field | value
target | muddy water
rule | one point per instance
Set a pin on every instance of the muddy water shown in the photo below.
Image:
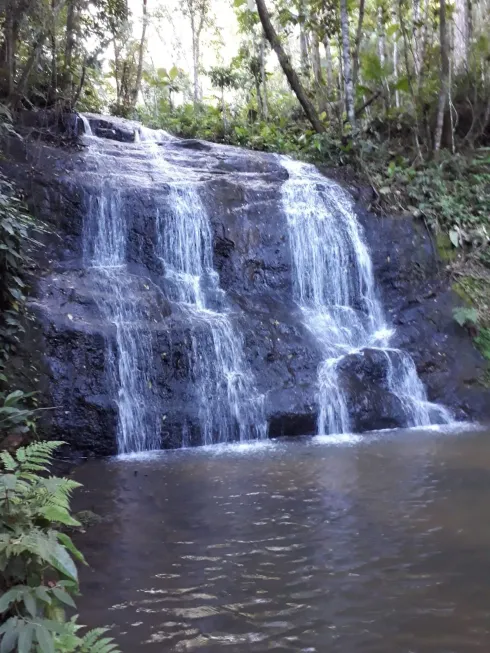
(376, 544)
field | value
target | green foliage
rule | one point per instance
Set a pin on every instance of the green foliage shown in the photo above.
(14, 415)
(16, 226)
(465, 316)
(482, 341)
(224, 77)
(37, 558)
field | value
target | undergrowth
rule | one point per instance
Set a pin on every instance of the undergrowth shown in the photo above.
(38, 574)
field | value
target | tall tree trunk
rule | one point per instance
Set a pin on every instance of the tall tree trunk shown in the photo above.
(348, 85)
(14, 11)
(117, 70)
(263, 77)
(21, 87)
(223, 105)
(357, 45)
(340, 85)
(316, 61)
(460, 36)
(141, 54)
(382, 55)
(416, 36)
(53, 87)
(303, 41)
(421, 43)
(329, 65)
(195, 63)
(287, 68)
(260, 104)
(395, 58)
(9, 49)
(444, 89)
(69, 47)
(318, 75)
(469, 22)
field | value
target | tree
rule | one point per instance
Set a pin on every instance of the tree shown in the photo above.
(288, 69)
(348, 82)
(444, 87)
(141, 52)
(197, 12)
(224, 78)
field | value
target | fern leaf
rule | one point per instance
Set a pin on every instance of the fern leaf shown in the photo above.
(8, 461)
(93, 642)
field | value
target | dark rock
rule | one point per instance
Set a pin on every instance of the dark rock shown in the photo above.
(192, 144)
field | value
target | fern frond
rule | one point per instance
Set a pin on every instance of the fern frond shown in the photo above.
(8, 461)
(37, 453)
(93, 642)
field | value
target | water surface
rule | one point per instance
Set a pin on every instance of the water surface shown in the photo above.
(367, 544)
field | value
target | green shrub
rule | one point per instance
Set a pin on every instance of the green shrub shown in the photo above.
(38, 574)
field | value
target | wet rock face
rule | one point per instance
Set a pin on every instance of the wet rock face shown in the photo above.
(242, 194)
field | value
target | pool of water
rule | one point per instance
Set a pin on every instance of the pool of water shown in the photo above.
(368, 544)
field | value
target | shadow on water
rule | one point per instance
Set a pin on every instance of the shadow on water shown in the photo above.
(355, 544)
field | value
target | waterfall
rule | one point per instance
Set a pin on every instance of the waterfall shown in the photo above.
(87, 129)
(334, 286)
(118, 296)
(230, 408)
(229, 405)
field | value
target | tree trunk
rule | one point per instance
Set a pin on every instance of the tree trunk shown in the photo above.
(117, 70)
(9, 45)
(382, 56)
(416, 36)
(195, 59)
(69, 47)
(421, 44)
(303, 41)
(469, 22)
(14, 11)
(21, 86)
(395, 59)
(318, 75)
(53, 87)
(328, 57)
(29, 65)
(263, 76)
(223, 105)
(287, 68)
(444, 89)
(348, 85)
(141, 54)
(316, 62)
(357, 47)
(460, 36)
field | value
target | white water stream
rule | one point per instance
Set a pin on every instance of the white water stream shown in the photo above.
(229, 406)
(334, 286)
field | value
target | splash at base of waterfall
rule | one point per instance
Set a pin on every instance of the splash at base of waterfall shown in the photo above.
(334, 286)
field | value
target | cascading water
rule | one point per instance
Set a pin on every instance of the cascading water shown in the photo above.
(230, 408)
(334, 286)
(87, 129)
(129, 351)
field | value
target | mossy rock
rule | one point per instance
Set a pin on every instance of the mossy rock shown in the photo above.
(446, 249)
(88, 518)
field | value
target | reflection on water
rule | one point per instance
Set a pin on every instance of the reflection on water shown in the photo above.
(377, 544)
